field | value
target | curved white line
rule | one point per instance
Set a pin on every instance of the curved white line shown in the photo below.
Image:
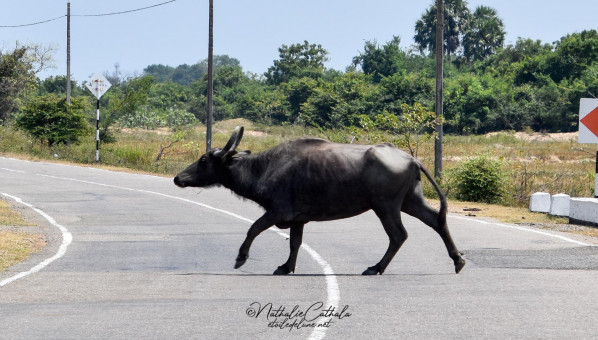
(524, 229)
(333, 291)
(67, 238)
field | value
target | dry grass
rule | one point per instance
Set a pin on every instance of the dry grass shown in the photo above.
(9, 217)
(533, 162)
(503, 213)
(16, 246)
(554, 163)
(591, 232)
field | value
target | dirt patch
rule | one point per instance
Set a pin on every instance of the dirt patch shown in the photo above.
(541, 137)
(163, 131)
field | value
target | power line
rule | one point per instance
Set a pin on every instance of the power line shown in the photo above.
(33, 23)
(87, 15)
(122, 12)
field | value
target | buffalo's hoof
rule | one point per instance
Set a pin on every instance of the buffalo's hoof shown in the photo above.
(372, 271)
(459, 265)
(282, 270)
(240, 261)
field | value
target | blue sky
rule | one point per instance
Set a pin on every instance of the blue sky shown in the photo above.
(251, 31)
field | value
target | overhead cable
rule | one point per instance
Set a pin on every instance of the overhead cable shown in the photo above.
(87, 15)
(123, 12)
(33, 23)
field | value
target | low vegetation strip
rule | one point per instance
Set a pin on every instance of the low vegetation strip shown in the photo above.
(10, 217)
(529, 162)
(16, 245)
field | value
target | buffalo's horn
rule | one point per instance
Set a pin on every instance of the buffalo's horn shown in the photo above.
(232, 143)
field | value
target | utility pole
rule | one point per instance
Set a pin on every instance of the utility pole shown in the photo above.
(68, 52)
(210, 108)
(439, 88)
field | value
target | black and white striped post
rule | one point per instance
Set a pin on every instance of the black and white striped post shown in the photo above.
(98, 130)
(98, 85)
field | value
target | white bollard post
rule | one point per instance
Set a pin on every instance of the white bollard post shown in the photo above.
(540, 202)
(559, 205)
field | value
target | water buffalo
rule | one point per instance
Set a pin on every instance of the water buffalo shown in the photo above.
(311, 179)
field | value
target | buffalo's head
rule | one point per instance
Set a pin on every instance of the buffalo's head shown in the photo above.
(209, 168)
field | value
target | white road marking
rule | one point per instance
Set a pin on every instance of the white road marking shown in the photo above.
(67, 238)
(12, 170)
(333, 291)
(523, 229)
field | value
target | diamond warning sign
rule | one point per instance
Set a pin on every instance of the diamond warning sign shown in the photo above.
(588, 121)
(98, 85)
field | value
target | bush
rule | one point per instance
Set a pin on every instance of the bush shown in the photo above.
(479, 179)
(151, 119)
(49, 118)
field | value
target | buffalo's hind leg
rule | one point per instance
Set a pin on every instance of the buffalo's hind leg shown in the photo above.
(416, 206)
(397, 234)
(294, 242)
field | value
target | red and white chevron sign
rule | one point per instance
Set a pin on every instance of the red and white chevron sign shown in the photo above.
(588, 121)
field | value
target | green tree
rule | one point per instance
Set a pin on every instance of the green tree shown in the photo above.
(57, 85)
(16, 78)
(297, 91)
(339, 103)
(469, 101)
(185, 74)
(230, 83)
(573, 54)
(297, 61)
(411, 129)
(484, 34)
(49, 118)
(406, 88)
(121, 100)
(267, 105)
(18, 70)
(456, 16)
(380, 61)
(506, 62)
(161, 73)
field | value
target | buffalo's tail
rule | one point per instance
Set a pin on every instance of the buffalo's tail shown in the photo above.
(443, 204)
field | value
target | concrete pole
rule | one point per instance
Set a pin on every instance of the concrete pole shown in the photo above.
(439, 88)
(68, 52)
(210, 108)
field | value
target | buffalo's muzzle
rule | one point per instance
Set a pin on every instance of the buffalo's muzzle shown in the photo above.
(178, 182)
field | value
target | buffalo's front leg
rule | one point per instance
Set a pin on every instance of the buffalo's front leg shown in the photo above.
(263, 223)
(295, 243)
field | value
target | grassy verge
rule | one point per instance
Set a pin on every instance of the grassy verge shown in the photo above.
(533, 162)
(15, 246)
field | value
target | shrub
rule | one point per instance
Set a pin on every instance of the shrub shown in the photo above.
(177, 118)
(49, 118)
(479, 179)
(151, 119)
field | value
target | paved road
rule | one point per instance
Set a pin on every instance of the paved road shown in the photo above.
(149, 260)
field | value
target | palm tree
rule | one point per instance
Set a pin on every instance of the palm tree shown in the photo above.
(456, 16)
(484, 35)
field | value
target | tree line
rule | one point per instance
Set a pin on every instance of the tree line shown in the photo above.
(488, 86)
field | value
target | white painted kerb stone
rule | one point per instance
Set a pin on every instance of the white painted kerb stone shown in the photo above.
(584, 211)
(540, 202)
(559, 205)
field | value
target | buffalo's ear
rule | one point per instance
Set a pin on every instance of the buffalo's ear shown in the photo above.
(228, 158)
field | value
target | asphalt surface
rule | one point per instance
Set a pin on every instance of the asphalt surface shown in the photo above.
(150, 260)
